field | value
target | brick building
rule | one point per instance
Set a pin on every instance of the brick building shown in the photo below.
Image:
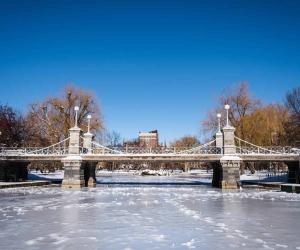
(148, 139)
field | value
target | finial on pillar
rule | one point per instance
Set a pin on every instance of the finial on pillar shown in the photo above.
(89, 117)
(219, 135)
(87, 137)
(227, 107)
(76, 108)
(219, 122)
(228, 136)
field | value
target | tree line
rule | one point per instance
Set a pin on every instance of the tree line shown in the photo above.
(47, 122)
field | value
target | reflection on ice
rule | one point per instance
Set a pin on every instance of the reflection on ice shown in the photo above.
(146, 217)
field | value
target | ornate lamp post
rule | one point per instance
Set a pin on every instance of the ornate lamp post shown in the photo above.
(89, 117)
(76, 108)
(227, 107)
(219, 122)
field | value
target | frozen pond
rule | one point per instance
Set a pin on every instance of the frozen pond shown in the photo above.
(148, 217)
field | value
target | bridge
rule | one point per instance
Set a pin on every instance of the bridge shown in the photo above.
(80, 154)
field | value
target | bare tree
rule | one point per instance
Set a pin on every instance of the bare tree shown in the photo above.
(292, 102)
(262, 125)
(242, 104)
(51, 119)
(12, 127)
(113, 138)
(292, 126)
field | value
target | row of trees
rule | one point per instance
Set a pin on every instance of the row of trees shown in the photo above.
(48, 122)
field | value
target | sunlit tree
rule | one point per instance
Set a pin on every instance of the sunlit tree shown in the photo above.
(52, 118)
(185, 142)
(254, 122)
(242, 104)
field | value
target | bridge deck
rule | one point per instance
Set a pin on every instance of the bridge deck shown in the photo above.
(155, 157)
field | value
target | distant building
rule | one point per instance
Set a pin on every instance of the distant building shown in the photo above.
(148, 139)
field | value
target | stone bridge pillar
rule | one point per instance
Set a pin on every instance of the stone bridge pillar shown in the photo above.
(73, 170)
(186, 167)
(229, 147)
(230, 171)
(87, 142)
(89, 167)
(74, 144)
(219, 140)
(230, 162)
(227, 172)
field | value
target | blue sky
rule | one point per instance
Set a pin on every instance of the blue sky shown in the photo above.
(152, 64)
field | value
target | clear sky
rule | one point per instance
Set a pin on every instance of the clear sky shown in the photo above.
(152, 64)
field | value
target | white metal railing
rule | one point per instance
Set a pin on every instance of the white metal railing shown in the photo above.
(206, 148)
(245, 147)
(100, 149)
(60, 148)
(202, 149)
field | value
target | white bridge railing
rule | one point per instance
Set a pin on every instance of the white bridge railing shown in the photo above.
(245, 147)
(60, 148)
(207, 148)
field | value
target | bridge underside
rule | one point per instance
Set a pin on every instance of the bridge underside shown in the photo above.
(80, 171)
(13, 171)
(226, 171)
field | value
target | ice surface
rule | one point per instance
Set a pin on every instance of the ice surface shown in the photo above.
(148, 217)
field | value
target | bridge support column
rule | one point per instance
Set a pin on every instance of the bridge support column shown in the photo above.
(90, 174)
(87, 142)
(230, 172)
(74, 173)
(226, 173)
(219, 140)
(229, 147)
(294, 172)
(74, 148)
(186, 167)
